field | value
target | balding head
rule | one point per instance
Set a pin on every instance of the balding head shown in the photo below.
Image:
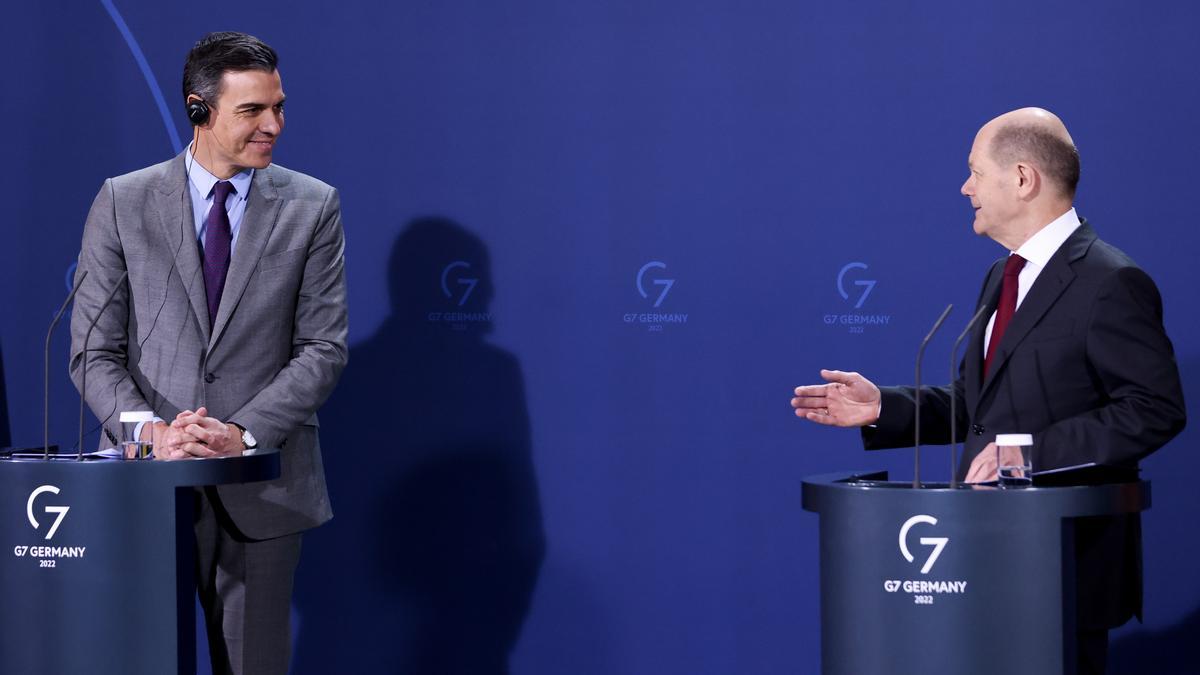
(1024, 169)
(1036, 137)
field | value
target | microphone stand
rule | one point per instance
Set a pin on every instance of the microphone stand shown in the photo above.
(46, 363)
(83, 378)
(917, 407)
(953, 397)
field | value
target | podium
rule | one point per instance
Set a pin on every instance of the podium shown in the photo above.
(940, 581)
(97, 564)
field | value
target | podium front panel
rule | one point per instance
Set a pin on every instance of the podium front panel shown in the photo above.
(97, 564)
(936, 581)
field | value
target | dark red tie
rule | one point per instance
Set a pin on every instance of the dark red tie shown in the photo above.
(1006, 308)
(217, 240)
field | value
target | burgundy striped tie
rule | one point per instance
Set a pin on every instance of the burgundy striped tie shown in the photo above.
(1006, 308)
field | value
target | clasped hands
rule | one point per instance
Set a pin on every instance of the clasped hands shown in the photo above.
(851, 400)
(195, 434)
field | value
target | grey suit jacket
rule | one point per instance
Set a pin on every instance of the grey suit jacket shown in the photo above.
(276, 347)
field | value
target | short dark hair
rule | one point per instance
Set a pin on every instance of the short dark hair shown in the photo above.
(1057, 158)
(217, 53)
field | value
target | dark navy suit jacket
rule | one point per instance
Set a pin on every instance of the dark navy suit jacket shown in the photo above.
(1087, 368)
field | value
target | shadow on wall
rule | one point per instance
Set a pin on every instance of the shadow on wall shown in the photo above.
(431, 560)
(5, 435)
(1168, 650)
(1171, 649)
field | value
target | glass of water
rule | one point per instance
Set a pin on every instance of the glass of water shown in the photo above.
(1014, 460)
(133, 447)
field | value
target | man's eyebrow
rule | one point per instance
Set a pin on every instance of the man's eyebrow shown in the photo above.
(257, 106)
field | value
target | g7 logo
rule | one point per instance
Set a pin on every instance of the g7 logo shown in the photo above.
(469, 283)
(938, 543)
(867, 284)
(665, 283)
(60, 510)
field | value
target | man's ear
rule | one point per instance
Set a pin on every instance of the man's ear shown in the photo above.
(198, 111)
(1028, 179)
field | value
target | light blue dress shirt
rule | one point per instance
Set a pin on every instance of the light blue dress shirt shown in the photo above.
(201, 183)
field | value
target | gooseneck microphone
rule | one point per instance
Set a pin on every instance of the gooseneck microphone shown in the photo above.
(46, 364)
(917, 399)
(87, 337)
(953, 397)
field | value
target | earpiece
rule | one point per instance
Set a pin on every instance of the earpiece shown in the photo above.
(197, 110)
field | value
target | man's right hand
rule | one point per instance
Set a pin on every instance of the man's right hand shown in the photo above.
(849, 400)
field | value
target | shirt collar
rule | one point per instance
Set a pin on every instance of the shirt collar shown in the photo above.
(1039, 248)
(204, 181)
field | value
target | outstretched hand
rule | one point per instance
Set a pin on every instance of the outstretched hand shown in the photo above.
(849, 400)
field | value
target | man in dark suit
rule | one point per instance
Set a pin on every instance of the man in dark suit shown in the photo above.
(1073, 352)
(231, 329)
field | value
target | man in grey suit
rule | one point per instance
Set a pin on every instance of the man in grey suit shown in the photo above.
(231, 328)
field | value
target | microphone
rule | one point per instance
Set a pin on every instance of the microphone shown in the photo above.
(917, 408)
(953, 418)
(46, 363)
(88, 336)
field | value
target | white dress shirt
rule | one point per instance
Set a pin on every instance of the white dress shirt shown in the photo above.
(1037, 251)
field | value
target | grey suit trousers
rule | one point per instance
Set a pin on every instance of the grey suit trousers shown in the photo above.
(245, 587)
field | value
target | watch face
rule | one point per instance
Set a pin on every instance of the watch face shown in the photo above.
(248, 440)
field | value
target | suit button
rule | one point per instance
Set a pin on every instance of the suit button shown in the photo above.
(210, 378)
(977, 429)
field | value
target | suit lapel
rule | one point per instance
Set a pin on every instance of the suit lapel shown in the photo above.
(174, 205)
(262, 210)
(1050, 284)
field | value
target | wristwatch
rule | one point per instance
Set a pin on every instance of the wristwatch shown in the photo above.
(248, 439)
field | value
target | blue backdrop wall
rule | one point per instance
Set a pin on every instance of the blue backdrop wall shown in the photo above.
(591, 247)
